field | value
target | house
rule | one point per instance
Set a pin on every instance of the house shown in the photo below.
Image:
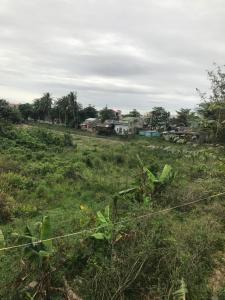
(89, 124)
(128, 126)
(118, 114)
(106, 128)
(122, 128)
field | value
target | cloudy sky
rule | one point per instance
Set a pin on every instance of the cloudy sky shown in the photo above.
(123, 53)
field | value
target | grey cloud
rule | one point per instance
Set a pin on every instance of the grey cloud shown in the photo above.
(122, 53)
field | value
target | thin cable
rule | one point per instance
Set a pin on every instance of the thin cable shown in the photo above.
(117, 223)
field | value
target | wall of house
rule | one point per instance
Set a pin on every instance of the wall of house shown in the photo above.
(122, 129)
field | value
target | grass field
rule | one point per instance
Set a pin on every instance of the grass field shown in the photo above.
(72, 177)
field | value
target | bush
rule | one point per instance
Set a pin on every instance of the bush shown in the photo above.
(6, 207)
(12, 180)
(119, 159)
(68, 141)
(73, 171)
(49, 137)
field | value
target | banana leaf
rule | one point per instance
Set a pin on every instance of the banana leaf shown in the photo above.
(98, 236)
(2, 239)
(124, 192)
(101, 218)
(166, 174)
(46, 232)
(150, 175)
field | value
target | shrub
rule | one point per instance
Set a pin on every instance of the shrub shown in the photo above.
(119, 159)
(12, 180)
(6, 207)
(8, 165)
(68, 141)
(73, 171)
(88, 161)
(41, 169)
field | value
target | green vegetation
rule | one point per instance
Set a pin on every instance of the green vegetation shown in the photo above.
(54, 183)
(83, 217)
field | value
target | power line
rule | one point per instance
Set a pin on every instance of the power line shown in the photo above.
(116, 223)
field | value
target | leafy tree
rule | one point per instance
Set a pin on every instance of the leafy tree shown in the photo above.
(212, 108)
(72, 100)
(88, 112)
(63, 109)
(107, 114)
(134, 113)
(69, 110)
(8, 113)
(4, 109)
(15, 116)
(54, 113)
(27, 111)
(185, 117)
(160, 118)
(42, 107)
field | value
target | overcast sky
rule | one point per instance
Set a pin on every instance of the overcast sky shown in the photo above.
(123, 53)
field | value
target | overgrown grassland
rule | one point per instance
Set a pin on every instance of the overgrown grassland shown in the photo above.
(43, 173)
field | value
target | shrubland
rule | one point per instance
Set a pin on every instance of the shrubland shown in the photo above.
(54, 183)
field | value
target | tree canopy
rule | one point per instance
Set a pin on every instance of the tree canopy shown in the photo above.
(107, 114)
(160, 118)
(9, 113)
(212, 107)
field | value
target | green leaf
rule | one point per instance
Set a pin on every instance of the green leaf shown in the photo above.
(43, 253)
(46, 232)
(182, 291)
(166, 174)
(45, 228)
(124, 192)
(140, 161)
(2, 239)
(98, 236)
(107, 214)
(147, 200)
(150, 175)
(15, 235)
(101, 218)
(27, 231)
(118, 237)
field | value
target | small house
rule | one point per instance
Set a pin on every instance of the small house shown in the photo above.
(106, 128)
(89, 124)
(128, 126)
(122, 128)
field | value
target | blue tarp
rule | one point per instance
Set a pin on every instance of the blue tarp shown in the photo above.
(149, 133)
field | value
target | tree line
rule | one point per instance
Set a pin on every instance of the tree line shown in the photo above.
(209, 115)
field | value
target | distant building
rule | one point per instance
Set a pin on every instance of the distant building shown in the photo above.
(128, 126)
(89, 124)
(106, 128)
(118, 114)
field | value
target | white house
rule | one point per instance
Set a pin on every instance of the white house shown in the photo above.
(122, 128)
(129, 125)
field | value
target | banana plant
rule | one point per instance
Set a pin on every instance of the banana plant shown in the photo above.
(105, 225)
(36, 258)
(165, 177)
(107, 230)
(148, 184)
(38, 249)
